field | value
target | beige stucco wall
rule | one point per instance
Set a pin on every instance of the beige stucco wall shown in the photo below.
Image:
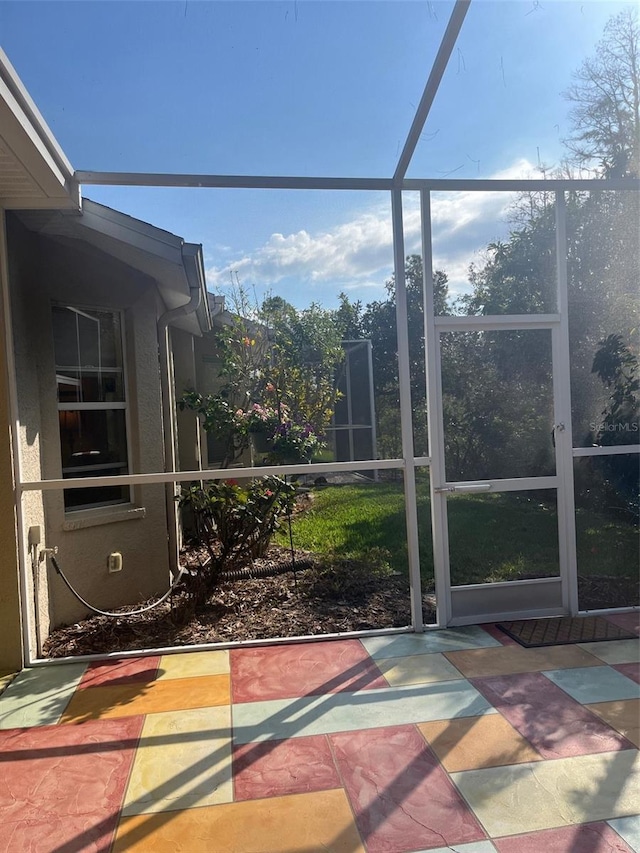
(10, 621)
(70, 272)
(22, 269)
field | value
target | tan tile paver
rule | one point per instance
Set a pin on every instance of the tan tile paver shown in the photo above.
(469, 743)
(623, 716)
(510, 660)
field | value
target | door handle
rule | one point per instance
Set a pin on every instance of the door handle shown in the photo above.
(556, 428)
(472, 487)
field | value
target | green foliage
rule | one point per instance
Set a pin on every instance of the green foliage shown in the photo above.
(220, 419)
(619, 424)
(292, 442)
(236, 522)
(378, 323)
(279, 369)
(304, 355)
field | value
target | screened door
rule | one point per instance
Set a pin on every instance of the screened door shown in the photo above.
(496, 484)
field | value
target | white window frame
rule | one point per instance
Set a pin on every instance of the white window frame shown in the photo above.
(97, 406)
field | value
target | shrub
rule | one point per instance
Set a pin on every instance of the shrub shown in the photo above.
(236, 522)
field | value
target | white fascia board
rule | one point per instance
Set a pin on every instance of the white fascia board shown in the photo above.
(133, 232)
(26, 134)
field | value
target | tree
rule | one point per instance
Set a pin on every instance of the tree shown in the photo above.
(605, 95)
(278, 375)
(305, 353)
(379, 325)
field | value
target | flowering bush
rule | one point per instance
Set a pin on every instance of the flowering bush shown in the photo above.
(260, 418)
(236, 522)
(294, 442)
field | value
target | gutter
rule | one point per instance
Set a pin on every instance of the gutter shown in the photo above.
(194, 270)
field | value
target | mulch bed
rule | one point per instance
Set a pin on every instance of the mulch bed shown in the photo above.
(317, 600)
(322, 599)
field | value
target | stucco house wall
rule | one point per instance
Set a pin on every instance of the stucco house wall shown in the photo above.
(44, 271)
(10, 609)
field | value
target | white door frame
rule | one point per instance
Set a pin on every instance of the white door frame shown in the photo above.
(512, 599)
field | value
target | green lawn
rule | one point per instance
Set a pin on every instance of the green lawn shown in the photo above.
(492, 536)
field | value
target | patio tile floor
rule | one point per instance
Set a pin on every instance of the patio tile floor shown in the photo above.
(452, 741)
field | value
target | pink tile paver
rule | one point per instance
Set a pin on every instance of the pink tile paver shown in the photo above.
(123, 671)
(586, 838)
(281, 672)
(499, 635)
(62, 786)
(554, 723)
(400, 795)
(631, 670)
(276, 768)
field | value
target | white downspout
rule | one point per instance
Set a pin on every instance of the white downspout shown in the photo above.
(168, 412)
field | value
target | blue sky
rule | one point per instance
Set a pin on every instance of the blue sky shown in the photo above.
(302, 88)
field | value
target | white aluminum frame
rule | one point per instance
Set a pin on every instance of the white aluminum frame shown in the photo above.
(433, 325)
(123, 405)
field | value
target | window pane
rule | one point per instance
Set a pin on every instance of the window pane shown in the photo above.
(497, 397)
(604, 268)
(606, 490)
(92, 439)
(93, 444)
(88, 353)
(494, 252)
(97, 496)
(509, 536)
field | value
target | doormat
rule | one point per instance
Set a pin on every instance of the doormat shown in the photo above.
(563, 630)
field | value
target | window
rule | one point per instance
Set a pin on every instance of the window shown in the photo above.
(92, 404)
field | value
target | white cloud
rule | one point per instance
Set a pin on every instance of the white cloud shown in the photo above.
(359, 253)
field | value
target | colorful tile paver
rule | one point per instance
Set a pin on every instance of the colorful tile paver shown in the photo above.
(546, 794)
(454, 741)
(401, 797)
(623, 716)
(469, 743)
(615, 651)
(117, 672)
(121, 701)
(554, 724)
(478, 663)
(278, 767)
(300, 822)
(183, 760)
(586, 838)
(38, 696)
(61, 787)
(306, 669)
(594, 685)
(630, 670)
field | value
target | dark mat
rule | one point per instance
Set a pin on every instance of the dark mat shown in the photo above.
(563, 630)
